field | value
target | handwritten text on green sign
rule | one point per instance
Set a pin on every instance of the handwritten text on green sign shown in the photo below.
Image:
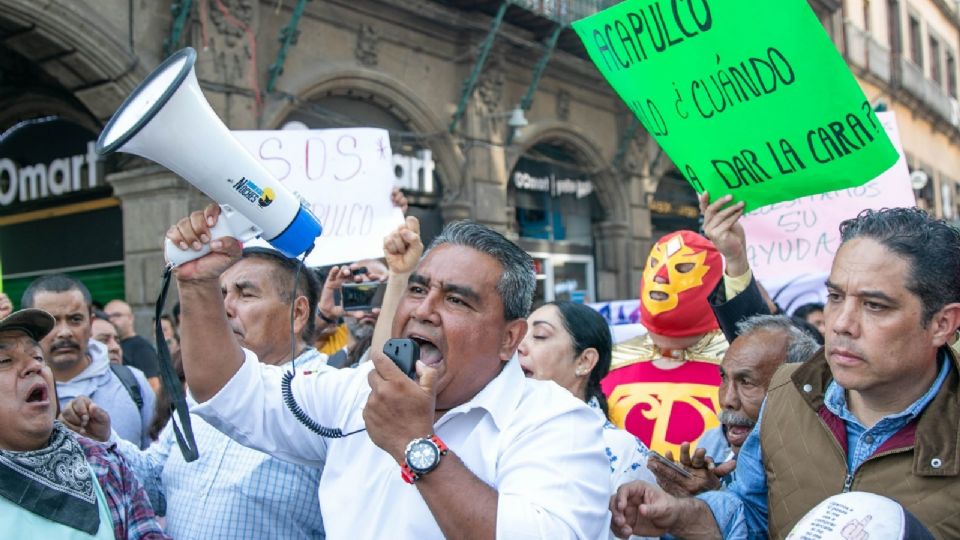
(748, 98)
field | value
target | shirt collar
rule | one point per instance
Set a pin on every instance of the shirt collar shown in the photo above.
(500, 397)
(835, 398)
(306, 356)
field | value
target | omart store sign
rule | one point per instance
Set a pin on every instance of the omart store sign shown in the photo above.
(47, 161)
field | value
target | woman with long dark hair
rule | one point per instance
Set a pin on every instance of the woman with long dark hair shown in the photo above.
(570, 344)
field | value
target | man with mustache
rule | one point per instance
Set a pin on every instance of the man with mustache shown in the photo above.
(877, 410)
(764, 343)
(232, 491)
(469, 448)
(80, 364)
(53, 484)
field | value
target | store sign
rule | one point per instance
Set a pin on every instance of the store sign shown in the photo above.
(414, 173)
(553, 185)
(42, 180)
(46, 158)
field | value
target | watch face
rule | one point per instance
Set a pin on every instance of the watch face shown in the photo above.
(422, 456)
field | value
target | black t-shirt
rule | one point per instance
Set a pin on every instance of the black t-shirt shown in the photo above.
(139, 353)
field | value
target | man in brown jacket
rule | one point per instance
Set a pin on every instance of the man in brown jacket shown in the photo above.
(877, 410)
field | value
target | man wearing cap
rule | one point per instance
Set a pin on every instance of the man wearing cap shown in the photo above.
(232, 491)
(54, 484)
(877, 410)
(81, 364)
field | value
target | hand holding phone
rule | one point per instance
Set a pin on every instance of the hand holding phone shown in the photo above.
(674, 466)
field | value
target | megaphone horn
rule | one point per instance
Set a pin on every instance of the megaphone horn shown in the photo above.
(167, 120)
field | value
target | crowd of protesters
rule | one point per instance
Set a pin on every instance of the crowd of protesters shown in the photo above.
(727, 419)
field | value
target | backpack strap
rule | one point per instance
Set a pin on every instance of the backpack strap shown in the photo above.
(125, 374)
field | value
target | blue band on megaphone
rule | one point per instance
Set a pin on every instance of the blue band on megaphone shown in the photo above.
(299, 234)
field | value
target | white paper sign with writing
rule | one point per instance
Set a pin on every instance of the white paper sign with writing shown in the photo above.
(791, 245)
(344, 175)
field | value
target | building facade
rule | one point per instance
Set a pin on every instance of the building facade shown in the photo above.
(904, 53)
(581, 186)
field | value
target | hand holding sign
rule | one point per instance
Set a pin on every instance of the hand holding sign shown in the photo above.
(722, 227)
(749, 99)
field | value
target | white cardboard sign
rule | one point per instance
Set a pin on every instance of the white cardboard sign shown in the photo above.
(344, 175)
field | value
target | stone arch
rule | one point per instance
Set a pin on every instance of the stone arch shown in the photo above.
(390, 94)
(610, 192)
(70, 42)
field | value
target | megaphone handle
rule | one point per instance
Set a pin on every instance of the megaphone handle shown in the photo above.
(230, 223)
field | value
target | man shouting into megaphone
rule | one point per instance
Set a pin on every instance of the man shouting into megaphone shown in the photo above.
(469, 448)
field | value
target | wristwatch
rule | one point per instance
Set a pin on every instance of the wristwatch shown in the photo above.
(421, 456)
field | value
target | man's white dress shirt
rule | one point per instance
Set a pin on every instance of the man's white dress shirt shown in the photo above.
(532, 441)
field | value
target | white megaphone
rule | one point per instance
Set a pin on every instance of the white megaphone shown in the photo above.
(167, 120)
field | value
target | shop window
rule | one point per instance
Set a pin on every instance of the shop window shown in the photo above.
(674, 206)
(554, 200)
(563, 277)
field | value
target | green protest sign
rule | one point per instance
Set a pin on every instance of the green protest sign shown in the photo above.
(747, 98)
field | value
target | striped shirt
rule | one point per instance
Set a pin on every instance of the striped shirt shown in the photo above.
(231, 491)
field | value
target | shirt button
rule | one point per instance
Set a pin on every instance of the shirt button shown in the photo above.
(807, 388)
(868, 439)
(936, 463)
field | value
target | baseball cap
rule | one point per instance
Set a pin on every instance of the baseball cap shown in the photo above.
(35, 322)
(858, 514)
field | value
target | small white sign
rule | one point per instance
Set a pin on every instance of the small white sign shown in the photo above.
(345, 176)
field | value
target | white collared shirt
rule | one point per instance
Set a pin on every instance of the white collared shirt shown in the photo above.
(537, 445)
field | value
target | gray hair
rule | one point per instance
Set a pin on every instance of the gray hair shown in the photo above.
(518, 281)
(800, 346)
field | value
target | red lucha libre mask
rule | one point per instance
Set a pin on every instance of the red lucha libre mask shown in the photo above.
(681, 271)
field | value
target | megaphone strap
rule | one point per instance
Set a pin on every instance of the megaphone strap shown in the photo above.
(171, 383)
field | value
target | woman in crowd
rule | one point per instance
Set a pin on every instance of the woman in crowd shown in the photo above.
(570, 344)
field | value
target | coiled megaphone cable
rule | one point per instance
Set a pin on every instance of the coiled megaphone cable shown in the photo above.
(287, 381)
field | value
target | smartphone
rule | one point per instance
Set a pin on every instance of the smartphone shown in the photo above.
(404, 352)
(362, 296)
(675, 466)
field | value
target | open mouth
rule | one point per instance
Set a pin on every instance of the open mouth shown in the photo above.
(658, 296)
(37, 394)
(429, 353)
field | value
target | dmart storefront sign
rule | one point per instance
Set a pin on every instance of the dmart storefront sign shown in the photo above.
(747, 98)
